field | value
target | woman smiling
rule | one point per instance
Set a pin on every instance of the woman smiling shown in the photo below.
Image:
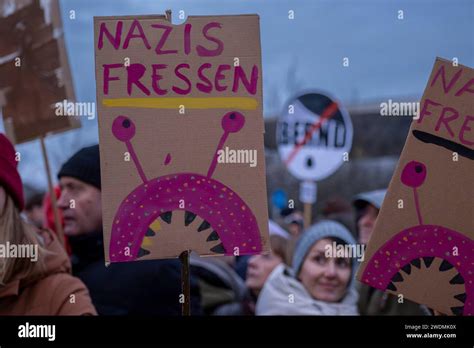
(317, 283)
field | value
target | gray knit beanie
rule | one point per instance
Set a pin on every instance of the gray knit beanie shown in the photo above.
(318, 231)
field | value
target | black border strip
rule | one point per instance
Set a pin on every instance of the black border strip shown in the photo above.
(136, 331)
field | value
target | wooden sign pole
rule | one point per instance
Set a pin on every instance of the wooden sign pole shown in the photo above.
(307, 215)
(185, 282)
(52, 194)
(308, 194)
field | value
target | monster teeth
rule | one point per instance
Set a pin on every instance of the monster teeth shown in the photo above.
(167, 217)
(416, 263)
(397, 277)
(428, 260)
(150, 233)
(407, 269)
(457, 279)
(457, 310)
(143, 252)
(212, 237)
(218, 249)
(461, 297)
(445, 265)
(204, 226)
(392, 287)
(188, 218)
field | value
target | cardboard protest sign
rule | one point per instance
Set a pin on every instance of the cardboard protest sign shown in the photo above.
(34, 69)
(181, 136)
(422, 246)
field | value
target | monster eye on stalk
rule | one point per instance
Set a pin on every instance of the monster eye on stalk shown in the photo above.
(232, 122)
(123, 128)
(414, 174)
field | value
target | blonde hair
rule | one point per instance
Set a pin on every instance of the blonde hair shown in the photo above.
(281, 247)
(15, 230)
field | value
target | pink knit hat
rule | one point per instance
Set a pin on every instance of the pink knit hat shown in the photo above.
(9, 177)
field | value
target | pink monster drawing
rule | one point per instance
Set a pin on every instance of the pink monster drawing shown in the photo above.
(423, 243)
(224, 213)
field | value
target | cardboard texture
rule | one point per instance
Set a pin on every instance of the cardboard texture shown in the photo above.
(31, 86)
(168, 98)
(422, 246)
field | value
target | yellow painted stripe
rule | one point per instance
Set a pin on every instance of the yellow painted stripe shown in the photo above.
(147, 242)
(243, 103)
(155, 226)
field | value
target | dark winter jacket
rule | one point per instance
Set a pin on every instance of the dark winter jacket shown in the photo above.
(377, 302)
(149, 287)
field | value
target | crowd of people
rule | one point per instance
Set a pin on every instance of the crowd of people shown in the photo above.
(70, 277)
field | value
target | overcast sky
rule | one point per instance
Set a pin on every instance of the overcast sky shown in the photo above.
(388, 57)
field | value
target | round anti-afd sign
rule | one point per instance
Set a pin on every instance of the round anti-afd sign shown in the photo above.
(314, 136)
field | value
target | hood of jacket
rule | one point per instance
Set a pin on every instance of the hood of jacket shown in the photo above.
(283, 294)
